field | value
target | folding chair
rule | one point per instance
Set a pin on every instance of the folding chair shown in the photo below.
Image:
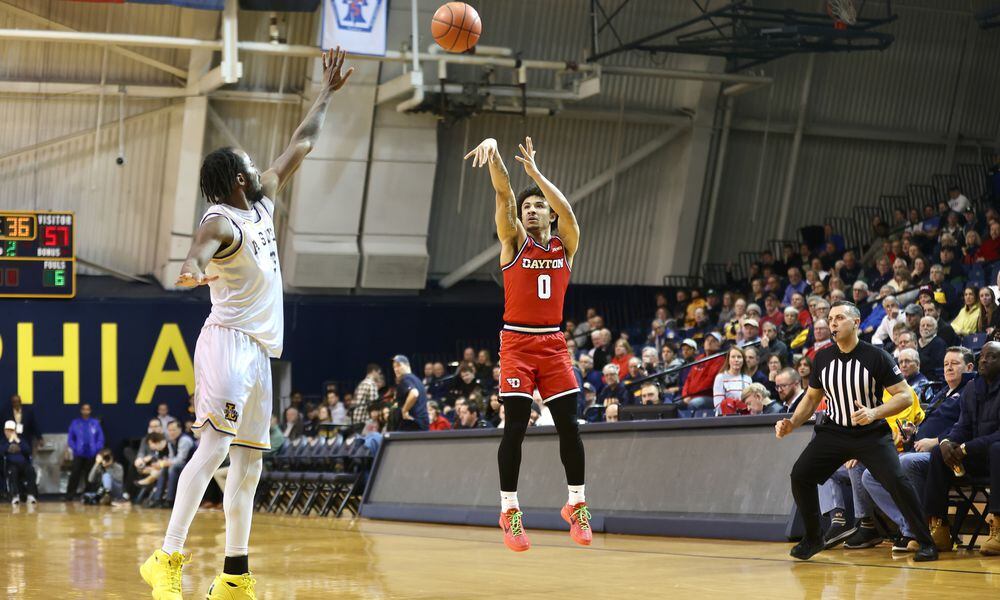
(964, 494)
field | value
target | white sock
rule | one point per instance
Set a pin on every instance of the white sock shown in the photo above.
(575, 495)
(241, 484)
(508, 500)
(212, 450)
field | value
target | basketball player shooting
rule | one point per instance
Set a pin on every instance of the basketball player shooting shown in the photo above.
(235, 253)
(536, 268)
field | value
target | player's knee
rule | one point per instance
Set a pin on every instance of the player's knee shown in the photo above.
(256, 467)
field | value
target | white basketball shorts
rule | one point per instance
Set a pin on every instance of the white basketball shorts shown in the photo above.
(232, 386)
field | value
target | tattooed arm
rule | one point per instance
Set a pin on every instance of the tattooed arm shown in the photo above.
(509, 228)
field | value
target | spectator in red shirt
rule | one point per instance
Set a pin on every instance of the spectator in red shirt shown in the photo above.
(990, 250)
(623, 354)
(821, 329)
(773, 308)
(438, 422)
(697, 392)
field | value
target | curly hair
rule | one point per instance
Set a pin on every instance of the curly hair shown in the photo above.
(218, 174)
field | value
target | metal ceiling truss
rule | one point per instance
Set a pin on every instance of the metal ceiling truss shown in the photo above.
(745, 35)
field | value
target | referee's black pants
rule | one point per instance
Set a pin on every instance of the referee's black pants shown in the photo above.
(832, 446)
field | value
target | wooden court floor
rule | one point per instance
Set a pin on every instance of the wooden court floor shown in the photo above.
(62, 551)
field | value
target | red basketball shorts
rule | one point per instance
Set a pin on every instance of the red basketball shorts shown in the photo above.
(535, 361)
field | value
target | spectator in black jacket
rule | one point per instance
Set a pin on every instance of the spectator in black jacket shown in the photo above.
(931, 347)
(613, 391)
(18, 469)
(972, 446)
(945, 330)
(468, 417)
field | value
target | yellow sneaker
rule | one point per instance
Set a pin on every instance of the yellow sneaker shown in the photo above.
(232, 587)
(162, 572)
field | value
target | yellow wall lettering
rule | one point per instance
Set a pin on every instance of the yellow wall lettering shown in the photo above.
(169, 342)
(68, 363)
(109, 363)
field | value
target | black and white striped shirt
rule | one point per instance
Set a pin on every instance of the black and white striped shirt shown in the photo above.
(860, 375)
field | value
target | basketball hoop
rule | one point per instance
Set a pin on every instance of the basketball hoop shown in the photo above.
(843, 11)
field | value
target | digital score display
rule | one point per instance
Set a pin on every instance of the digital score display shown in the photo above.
(37, 254)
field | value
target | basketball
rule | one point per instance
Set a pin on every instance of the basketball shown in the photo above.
(456, 27)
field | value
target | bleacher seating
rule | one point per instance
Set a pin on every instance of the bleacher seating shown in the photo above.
(327, 474)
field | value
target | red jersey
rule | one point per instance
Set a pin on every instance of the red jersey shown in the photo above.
(535, 285)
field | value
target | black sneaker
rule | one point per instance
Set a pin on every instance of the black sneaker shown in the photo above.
(805, 549)
(838, 532)
(863, 537)
(926, 553)
(905, 544)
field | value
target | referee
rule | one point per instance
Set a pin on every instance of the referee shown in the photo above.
(852, 374)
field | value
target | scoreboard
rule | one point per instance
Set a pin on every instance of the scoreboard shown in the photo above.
(37, 254)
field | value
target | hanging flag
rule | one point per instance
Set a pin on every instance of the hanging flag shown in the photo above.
(357, 26)
(203, 4)
(280, 5)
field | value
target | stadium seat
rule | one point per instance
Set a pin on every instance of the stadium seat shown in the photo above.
(974, 341)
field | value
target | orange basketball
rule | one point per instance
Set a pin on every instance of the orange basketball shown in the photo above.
(456, 27)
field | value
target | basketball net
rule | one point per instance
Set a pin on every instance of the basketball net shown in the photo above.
(843, 12)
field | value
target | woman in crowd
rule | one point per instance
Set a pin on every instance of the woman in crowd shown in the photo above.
(728, 309)
(437, 421)
(799, 304)
(735, 323)
(323, 425)
(970, 252)
(967, 320)
(623, 354)
(730, 383)
(790, 327)
(804, 366)
(989, 316)
(921, 274)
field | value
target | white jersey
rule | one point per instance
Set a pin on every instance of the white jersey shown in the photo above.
(247, 296)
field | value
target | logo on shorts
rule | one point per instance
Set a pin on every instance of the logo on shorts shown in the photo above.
(231, 414)
(514, 382)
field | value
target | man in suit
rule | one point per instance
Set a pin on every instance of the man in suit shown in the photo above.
(790, 392)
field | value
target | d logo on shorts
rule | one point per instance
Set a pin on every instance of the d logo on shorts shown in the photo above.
(231, 414)
(514, 382)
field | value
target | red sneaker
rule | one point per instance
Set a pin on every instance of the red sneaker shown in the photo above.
(513, 530)
(578, 517)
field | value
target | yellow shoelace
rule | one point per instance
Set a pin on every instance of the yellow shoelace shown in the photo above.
(175, 571)
(515, 524)
(248, 584)
(582, 516)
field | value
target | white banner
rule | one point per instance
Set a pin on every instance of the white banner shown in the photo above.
(357, 26)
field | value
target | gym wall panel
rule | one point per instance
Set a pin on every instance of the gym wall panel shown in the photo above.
(570, 152)
(117, 207)
(912, 87)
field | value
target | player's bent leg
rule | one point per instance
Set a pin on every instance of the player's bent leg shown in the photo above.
(162, 571)
(236, 581)
(575, 512)
(517, 415)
